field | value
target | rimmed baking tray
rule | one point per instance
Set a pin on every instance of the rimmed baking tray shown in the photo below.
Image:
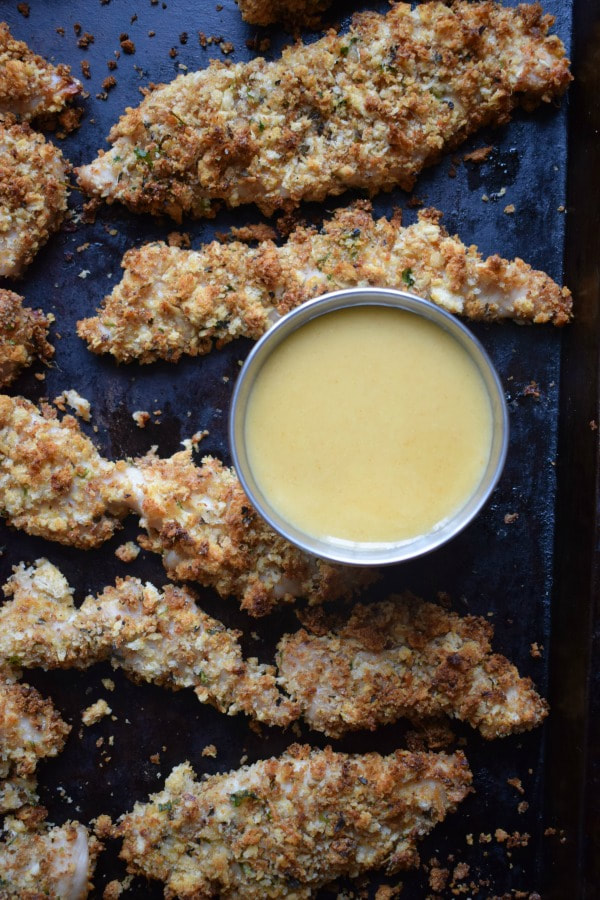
(533, 575)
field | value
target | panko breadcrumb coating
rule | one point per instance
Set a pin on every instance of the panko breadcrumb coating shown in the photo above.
(404, 657)
(54, 483)
(23, 334)
(71, 398)
(292, 13)
(17, 792)
(30, 729)
(365, 109)
(286, 826)
(162, 637)
(93, 713)
(57, 863)
(33, 196)
(32, 88)
(201, 522)
(172, 301)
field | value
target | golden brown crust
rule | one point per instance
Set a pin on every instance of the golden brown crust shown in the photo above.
(291, 13)
(32, 88)
(367, 109)
(54, 483)
(172, 301)
(47, 862)
(286, 826)
(30, 729)
(162, 637)
(385, 660)
(23, 334)
(33, 196)
(200, 520)
(404, 657)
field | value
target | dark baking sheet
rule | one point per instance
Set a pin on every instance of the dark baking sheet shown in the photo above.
(509, 572)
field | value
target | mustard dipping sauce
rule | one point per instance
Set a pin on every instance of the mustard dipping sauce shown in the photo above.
(368, 424)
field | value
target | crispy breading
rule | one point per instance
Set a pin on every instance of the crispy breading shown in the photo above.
(71, 398)
(172, 301)
(57, 863)
(32, 88)
(292, 13)
(17, 793)
(33, 196)
(365, 109)
(201, 522)
(286, 826)
(54, 483)
(404, 657)
(23, 334)
(162, 637)
(30, 729)
(383, 661)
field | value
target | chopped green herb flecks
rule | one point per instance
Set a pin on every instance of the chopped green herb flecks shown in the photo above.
(143, 155)
(408, 277)
(238, 798)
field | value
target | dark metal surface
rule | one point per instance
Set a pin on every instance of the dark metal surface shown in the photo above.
(573, 763)
(493, 568)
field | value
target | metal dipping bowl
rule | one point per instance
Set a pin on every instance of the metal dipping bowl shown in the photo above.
(363, 553)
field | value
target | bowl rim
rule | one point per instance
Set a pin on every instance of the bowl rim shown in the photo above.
(368, 553)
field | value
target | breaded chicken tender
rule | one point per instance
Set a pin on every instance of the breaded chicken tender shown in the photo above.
(30, 729)
(201, 522)
(33, 196)
(162, 637)
(404, 657)
(286, 826)
(32, 88)
(23, 336)
(57, 863)
(293, 13)
(366, 109)
(54, 483)
(172, 301)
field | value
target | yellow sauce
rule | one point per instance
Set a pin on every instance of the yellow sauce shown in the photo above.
(368, 424)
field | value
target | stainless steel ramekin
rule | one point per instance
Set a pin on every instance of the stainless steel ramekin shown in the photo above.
(361, 553)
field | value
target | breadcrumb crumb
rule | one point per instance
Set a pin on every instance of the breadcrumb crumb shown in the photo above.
(141, 418)
(128, 552)
(71, 398)
(95, 712)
